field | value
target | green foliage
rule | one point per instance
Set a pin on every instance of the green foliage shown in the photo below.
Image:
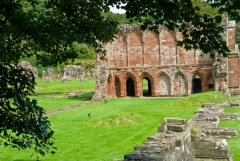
(204, 7)
(23, 123)
(84, 51)
(120, 18)
(48, 28)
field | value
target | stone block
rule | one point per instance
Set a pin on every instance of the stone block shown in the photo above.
(162, 128)
(219, 153)
(207, 105)
(174, 121)
(176, 128)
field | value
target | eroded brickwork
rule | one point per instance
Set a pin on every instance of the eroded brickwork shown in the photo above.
(169, 70)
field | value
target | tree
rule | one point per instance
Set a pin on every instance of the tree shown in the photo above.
(23, 123)
(48, 29)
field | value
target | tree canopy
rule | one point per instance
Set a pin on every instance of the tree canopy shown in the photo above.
(48, 29)
(29, 26)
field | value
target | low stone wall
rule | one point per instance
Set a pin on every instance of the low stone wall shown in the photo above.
(229, 116)
(221, 132)
(209, 149)
(172, 142)
(198, 139)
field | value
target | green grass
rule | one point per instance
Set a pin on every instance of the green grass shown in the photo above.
(71, 86)
(56, 103)
(55, 95)
(115, 127)
(233, 143)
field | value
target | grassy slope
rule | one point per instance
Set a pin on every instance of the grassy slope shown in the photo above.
(115, 127)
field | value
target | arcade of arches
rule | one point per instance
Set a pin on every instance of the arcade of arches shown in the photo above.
(143, 63)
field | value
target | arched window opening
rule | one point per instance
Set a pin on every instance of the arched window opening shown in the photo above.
(130, 87)
(117, 88)
(211, 84)
(109, 87)
(147, 87)
(196, 84)
(164, 84)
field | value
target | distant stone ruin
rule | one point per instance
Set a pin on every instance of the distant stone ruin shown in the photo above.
(27, 65)
(77, 72)
(69, 72)
(198, 139)
(135, 56)
(48, 74)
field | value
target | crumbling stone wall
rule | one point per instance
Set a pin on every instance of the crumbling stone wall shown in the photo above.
(171, 143)
(198, 139)
(48, 74)
(170, 70)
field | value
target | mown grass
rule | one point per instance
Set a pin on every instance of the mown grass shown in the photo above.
(58, 87)
(233, 143)
(115, 127)
(54, 95)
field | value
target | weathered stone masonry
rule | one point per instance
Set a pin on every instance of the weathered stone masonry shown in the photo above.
(169, 70)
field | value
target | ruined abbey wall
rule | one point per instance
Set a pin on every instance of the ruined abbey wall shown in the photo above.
(168, 69)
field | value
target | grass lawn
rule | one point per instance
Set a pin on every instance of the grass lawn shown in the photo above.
(115, 127)
(58, 87)
(54, 95)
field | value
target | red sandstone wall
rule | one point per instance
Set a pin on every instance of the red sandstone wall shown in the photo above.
(231, 39)
(151, 49)
(143, 49)
(140, 55)
(233, 71)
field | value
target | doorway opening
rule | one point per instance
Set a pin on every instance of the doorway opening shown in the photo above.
(146, 87)
(117, 88)
(130, 87)
(196, 84)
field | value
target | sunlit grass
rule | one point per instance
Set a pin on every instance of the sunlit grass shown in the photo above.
(57, 86)
(115, 127)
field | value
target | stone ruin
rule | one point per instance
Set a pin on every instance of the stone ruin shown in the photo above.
(69, 72)
(135, 56)
(172, 142)
(76, 71)
(198, 139)
(48, 75)
(27, 65)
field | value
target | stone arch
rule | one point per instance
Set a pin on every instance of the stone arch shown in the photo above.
(121, 37)
(151, 48)
(135, 57)
(181, 84)
(117, 87)
(118, 50)
(197, 82)
(109, 86)
(211, 83)
(164, 84)
(131, 84)
(147, 88)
